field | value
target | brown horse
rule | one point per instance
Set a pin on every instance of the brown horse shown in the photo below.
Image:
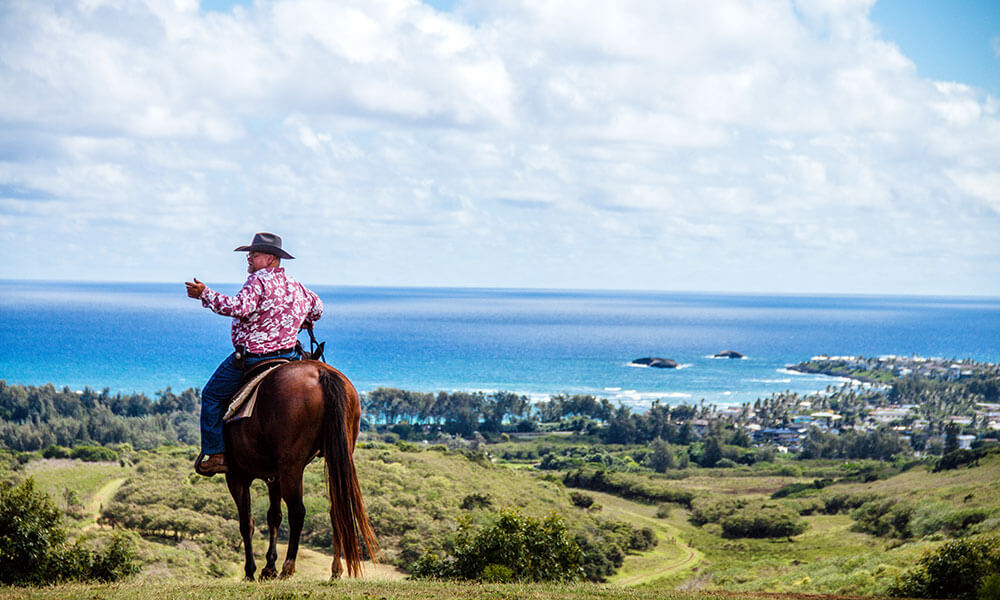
(303, 408)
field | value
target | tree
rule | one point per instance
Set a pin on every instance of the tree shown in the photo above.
(711, 452)
(950, 438)
(661, 457)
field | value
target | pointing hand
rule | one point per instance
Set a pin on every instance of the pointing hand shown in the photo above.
(195, 289)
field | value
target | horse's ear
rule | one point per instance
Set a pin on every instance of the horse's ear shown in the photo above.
(318, 354)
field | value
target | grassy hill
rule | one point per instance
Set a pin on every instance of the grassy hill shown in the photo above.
(185, 528)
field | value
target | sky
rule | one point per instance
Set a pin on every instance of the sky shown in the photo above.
(758, 146)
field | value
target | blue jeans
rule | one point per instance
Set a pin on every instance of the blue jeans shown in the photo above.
(216, 396)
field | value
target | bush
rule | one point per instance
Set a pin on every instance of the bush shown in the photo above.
(713, 509)
(94, 454)
(957, 569)
(35, 550)
(512, 548)
(476, 500)
(762, 521)
(843, 502)
(884, 517)
(930, 518)
(581, 500)
(55, 451)
(628, 486)
(796, 489)
(989, 589)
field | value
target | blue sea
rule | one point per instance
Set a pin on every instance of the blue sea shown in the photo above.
(147, 337)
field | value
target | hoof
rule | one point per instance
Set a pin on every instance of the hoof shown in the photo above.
(288, 569)
(248, 578)
(268, 573)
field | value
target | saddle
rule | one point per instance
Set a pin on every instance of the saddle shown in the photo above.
(241, 406)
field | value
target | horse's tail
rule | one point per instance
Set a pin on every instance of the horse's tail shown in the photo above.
(348, 516)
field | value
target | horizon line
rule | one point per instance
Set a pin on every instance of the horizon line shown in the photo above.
(814, 294)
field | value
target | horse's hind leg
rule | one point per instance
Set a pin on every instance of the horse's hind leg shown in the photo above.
(240, 491)
(337, 567)
(291, 491)
(270, 571)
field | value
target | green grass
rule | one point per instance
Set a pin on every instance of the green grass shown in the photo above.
(415, 499)
(671, 558)
(55, 475)
(351, 589)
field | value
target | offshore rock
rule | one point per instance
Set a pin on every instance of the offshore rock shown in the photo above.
(654, 361)
(729, 354)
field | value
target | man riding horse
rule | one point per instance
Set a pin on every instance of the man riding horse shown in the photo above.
(267, 313)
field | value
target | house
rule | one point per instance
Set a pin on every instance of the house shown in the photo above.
(889, 414)
(825, 419)
(965, 441)
(780, 437)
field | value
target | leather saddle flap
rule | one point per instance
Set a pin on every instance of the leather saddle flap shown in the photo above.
(243, 402)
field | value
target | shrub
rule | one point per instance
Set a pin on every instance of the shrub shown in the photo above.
(957, 569)
(940, 516)
(959, 458)
(30, 529)
(94, 454)
(796, 489)
(581, 500)
(629, 486)
(713, 509)
(512, 548)
(845, 502)
(34, 547)
(553, 462)
(762, 521)
(989, 589)
(884, 517)
(476, 500)
(55, 451)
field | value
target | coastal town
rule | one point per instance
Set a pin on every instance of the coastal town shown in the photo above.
(939, 401)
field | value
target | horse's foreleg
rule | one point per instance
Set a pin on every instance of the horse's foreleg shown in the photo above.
(240, 490)
(291, 492)
(270, 571)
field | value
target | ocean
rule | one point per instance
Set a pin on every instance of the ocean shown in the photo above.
(140, 337)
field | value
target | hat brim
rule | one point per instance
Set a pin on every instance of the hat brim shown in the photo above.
(265, 249)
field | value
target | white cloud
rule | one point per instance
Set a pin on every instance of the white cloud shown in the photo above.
(555, 144)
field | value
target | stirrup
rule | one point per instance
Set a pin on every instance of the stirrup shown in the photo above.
(200, 469)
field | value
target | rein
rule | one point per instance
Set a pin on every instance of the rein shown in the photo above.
(315, 348)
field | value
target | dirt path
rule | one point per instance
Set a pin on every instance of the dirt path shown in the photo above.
(101, 497)
(670, 556)
(312, 564)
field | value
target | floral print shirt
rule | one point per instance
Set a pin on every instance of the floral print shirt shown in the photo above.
(268, 310)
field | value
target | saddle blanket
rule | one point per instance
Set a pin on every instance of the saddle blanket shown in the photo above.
(243, 402)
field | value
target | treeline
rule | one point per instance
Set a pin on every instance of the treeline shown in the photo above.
(46, 418)
(881, 444)
(33, 418)
(459, 413)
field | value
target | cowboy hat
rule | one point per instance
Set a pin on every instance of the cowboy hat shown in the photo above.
(268, 243)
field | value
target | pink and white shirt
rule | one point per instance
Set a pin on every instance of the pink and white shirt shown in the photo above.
(268, 310)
